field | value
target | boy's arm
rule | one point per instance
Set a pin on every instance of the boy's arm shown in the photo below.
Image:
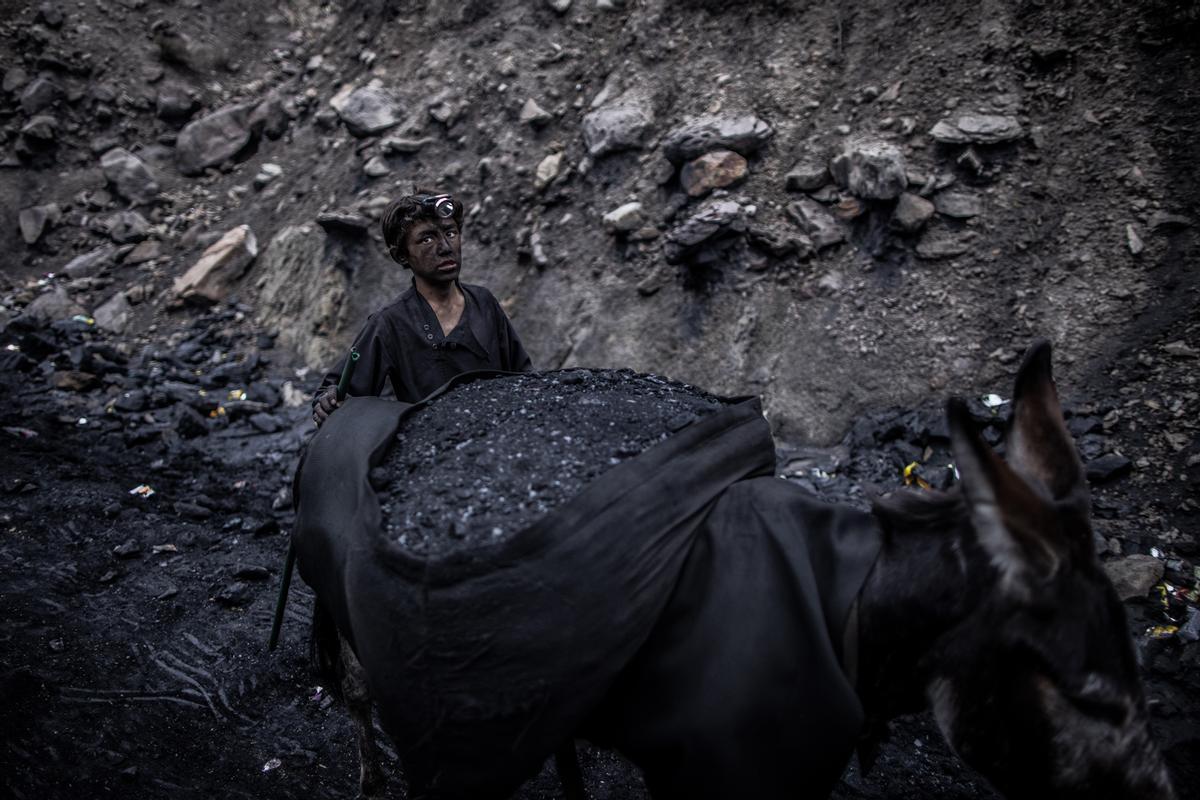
(369, 376)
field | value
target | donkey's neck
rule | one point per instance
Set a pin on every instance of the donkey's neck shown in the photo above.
(916, 591)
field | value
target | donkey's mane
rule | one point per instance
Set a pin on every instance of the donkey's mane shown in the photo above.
(914, 510)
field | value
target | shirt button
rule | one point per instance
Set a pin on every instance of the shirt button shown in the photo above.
(429, 336)
(426, 327)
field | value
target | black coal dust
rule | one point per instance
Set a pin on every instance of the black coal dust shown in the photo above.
(491, 457)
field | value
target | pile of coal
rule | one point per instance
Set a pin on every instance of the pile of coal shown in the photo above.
(493, 456)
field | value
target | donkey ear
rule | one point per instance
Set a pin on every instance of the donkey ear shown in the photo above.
(1013, 523)
(1039, 444)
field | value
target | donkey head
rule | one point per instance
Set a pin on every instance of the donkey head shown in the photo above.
(1037, 687)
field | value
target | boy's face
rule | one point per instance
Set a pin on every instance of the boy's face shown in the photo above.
(434, 250)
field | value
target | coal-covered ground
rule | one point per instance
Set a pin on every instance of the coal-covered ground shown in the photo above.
(462, 472)
(134, 658)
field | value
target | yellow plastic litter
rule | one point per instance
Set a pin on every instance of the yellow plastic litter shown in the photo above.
(85, 319)
(219, 411)
(1162, 631)
(237, 394)
(911, 478)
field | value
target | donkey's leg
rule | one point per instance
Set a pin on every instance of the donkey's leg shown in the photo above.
(566, 761)
(371, 779)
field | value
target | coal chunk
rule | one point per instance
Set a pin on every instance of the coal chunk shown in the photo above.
(493, 456)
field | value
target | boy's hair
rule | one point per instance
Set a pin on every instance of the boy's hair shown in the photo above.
(400, 215)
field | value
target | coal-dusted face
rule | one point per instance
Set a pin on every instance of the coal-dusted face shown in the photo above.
(1041, 695)
(434, 250)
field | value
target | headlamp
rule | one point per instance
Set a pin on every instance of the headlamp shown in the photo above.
(442, 205)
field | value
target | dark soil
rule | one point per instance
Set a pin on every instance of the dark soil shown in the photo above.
(492, 457)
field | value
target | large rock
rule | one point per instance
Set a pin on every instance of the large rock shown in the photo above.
(713, 170)
(621, 125)
(367, 110)
(212, 277)
(34, 221)
(712, 221)
(977, 129)
(129, 176)
(743, 133)
(869, 168)
(214, 139)
(113, 315)
(1134, 576)
(817, 223)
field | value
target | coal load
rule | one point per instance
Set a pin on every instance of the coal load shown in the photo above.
(493, 456)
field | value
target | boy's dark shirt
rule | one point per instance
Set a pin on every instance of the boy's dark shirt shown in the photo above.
(403, 342)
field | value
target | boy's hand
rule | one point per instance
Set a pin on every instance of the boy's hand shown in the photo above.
(327, 403)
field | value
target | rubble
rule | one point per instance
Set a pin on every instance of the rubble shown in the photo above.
(213, 139)
(129, 176)
(710, 221)
(621, 125)
(1133, 576)
(959, 205)
(817, 223)
(713, 170)
(911, 213)
(35, 220)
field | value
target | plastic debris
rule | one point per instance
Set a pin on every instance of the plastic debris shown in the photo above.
(22, 433)
(274, 763)
(911, 478)
(164, 548)
(81, 421)
(84, 318)
(219, 411)
(12, 348)
(954, 469)
(142, 491)
(237, 394)
(1162, 631)
(318, 693)
(992, 400)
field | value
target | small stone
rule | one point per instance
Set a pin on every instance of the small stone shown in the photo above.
(190, 510)
(817, 223)
(126, 226)
(959, 205)
(130, 548)
(404, 145)
(619, 126)
(911, 213)
(713, 170)
(41, 128)
(344, 222)
(235, 595)
(212, 277)
(533, 114)
(711, 221)
(213, 139)
(267, 173)
(547, 170)
(1136, 245)
(376, 167)
(174, 102)
(34, 221)
(870, 169)
(113, 315)
(935, 246)
(744, 134)
(1133, 576)
(559, 6)
(807, 176)
(1161, 219)
(624, 218)
(978, 129)
(251, 572)
(1108, 467)
(367, 110)
(1180, 349)
(129, 176)
(15, 78)
(267, 423)
(74, 381)
(40, 94)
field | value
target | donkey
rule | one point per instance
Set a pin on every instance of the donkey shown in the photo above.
(986, 603)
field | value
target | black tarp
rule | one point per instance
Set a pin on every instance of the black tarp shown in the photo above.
(485, 662)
